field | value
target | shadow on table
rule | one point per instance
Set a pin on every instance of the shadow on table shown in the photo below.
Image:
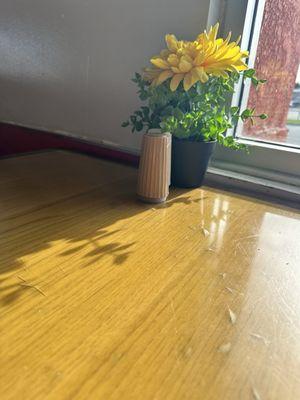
(84, 225)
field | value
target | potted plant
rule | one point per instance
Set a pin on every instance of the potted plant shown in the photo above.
(187, 93)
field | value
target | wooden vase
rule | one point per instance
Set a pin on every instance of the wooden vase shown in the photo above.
(155, 167)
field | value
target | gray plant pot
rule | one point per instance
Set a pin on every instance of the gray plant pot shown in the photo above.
(189, 162)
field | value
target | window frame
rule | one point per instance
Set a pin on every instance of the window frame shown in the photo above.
(267, 162)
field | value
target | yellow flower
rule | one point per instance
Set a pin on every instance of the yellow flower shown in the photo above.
(191, 62)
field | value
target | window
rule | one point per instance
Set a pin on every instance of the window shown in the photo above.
(272, 34)
(275, 53)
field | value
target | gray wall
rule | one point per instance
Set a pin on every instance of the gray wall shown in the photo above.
(66, 65)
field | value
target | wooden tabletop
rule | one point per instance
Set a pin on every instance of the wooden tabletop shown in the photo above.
(103, 297)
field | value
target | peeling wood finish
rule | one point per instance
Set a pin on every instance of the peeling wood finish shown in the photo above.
(103, 297)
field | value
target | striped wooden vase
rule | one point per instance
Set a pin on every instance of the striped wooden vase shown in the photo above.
(155, 167)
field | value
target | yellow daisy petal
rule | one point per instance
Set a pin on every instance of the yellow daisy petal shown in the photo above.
(184, 65)
(175, 81)
(194, 61)
(203, 77)
(213, 32)
(172, 42)
(160, 63)
(188, 81)
(173, 60)
(176, 70)
(164, 76)
(199, 58)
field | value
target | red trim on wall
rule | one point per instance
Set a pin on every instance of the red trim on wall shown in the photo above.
(17, 140)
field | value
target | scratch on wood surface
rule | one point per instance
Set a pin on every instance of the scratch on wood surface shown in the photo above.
(246, 237)
(242, 248)
(232, 316)
(260, 337)
(282, 301)
(62, 270)
(204, 231)
(212, 250)
(225, 348)
(255, 394)
(30, 285)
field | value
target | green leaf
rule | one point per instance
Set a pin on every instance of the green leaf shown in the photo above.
(139, 126)
(146, 110)
(263, 116)
(201, 114)
(167, 111)
(249, 73)
(234, 110)
(247, 113)
(125, 124)
(178, 114)
(143, 96)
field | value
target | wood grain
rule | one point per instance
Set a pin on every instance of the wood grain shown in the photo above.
(103, 297)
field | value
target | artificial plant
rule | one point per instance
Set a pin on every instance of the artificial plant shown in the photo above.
(187, 91)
